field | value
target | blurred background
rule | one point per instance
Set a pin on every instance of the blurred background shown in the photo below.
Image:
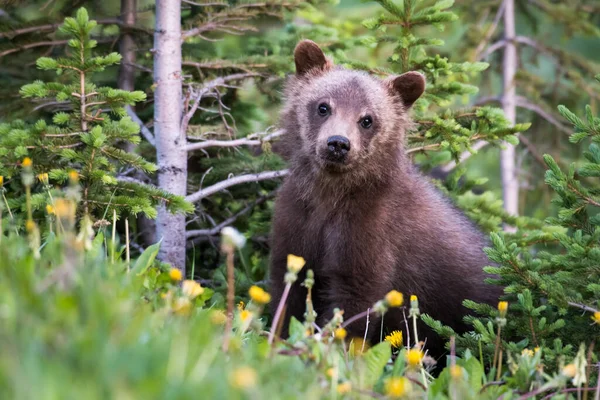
(558, 52)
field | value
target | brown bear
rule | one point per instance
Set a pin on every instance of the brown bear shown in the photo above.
(364, 219)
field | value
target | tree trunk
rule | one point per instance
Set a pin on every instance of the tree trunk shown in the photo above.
(170, 141)
(127, 46)
(126, 81)
(510, 182)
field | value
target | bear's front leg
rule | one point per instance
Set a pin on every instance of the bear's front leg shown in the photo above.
(356, 297)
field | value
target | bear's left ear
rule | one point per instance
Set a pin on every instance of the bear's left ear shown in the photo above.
(309, 56)
(409, 86)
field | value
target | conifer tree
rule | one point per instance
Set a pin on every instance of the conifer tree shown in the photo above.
(542, 51)
(84, 138)
(446, 131)
(551, 276)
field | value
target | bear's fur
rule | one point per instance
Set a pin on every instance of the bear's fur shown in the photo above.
(365, 220)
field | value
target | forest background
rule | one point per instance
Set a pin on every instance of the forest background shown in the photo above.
(207, 159)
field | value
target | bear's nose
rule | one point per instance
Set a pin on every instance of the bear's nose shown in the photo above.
(338, 145)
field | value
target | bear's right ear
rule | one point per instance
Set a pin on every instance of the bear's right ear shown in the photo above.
(309, 56)
(409, 86)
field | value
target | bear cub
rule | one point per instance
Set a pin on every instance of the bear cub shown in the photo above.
(364, 219)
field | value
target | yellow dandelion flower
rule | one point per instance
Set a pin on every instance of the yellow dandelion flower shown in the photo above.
(394, 298)
(456, 371)
(1, 181)
(398, 387)
(527, 352)
(344, 388)
(49, 209)
(358, 346)
(414, 357)
(175, 274)
(74, 176)
(537, 349)
(503, 308)
(330, 372)
(241, 305)
(258, 295)
(27, 162)
(182, 306)
(395, 338)
(29, 225)
(340, 334)
(596, 317)
(191, 289)
(43, 178)
(569, 370)
(218, 317)
(243, 378)
(295, 263)
(63, 208)
(245, 315)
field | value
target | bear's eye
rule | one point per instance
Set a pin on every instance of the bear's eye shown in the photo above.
(323, 109)
(366, 122)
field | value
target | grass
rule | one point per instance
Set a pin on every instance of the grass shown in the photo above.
(79, 321)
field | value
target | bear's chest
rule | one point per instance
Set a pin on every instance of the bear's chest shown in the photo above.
(348, 241)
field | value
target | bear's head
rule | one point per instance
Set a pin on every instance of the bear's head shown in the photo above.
(338, 119)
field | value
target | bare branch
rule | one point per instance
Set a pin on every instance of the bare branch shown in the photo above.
(46, 43)
(129, 179)
(489, 34)
(32, 45)
(248, 141)
(143, 129)
(487, 99)
(216, 4)
(51, 27)
(217, 229)
(582, 306)
(205, 89)
(524, 103)
(464, 156)
(492, 48)
(531, 148)
(222, 143)
(223, 64)
(262, 176)
(199, 30)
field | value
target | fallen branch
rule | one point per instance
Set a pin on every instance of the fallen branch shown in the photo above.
(262, 176)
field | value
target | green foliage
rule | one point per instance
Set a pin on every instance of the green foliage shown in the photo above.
(107, 329)
(438, 128)
(85, 137)
(550, 269)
